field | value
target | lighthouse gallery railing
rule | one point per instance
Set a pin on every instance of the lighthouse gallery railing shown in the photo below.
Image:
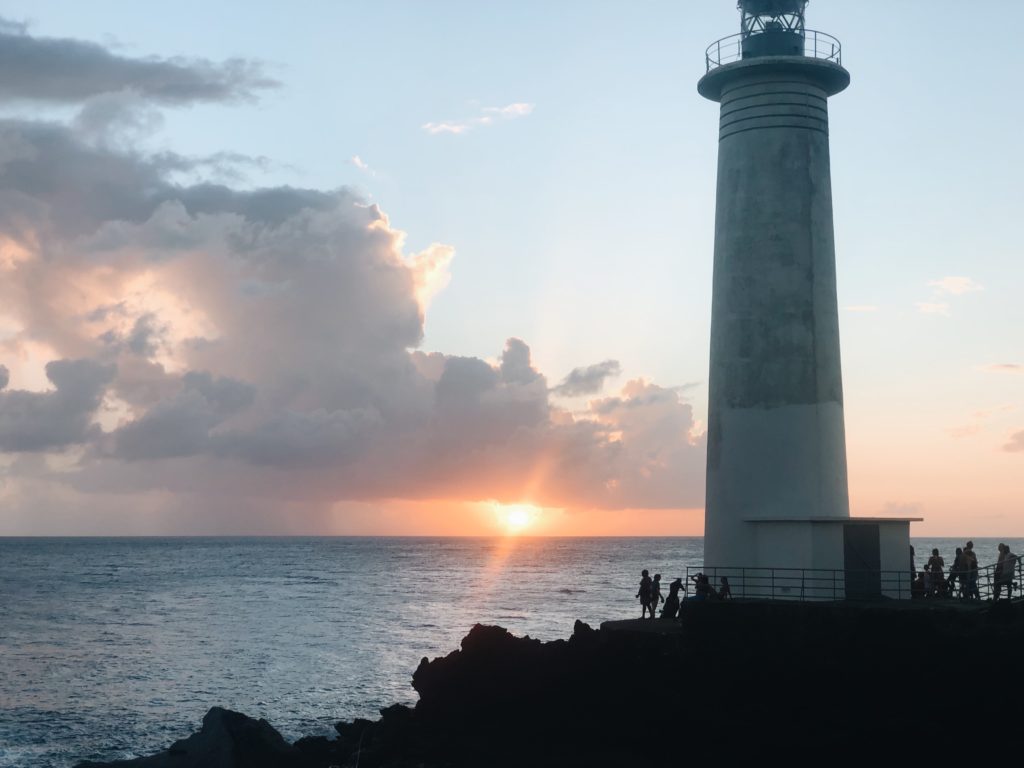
(817, 45)
(804, 584)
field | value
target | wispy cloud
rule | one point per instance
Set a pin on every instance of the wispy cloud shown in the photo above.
(861, 308)
(1004, 368)
(932, 308)
(362, 165)
(486, 116)
(954, 286)
(944, 287)
(979, 421)
(902, 508)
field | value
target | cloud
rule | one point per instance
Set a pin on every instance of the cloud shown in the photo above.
(486, 116)
(933, 308)
(861, 308)
(954, 286)
(902, 509)
(510, 111)
(362, 165)
(1004, 368)
(181, 425)
(260, 345)
(589, 380)
(38, 421)
(980, 421)
(944, 288)
(1016, 443)
(66, 71)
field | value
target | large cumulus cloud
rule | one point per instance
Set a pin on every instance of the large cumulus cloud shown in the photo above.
(262, 344)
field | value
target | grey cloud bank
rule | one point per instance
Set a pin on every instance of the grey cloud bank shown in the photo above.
(61, 70)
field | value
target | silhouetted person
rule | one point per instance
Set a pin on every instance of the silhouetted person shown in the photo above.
(702, 587)
(1006, 564)
(724, 593)
(1009, 571)
(971, 572)
(672, 601)
(934, 573)
(655, 593)
(645, 594)
(956, 574)
(913, 568)
(917, 588)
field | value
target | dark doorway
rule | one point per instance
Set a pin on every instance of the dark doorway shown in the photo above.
(863, 562)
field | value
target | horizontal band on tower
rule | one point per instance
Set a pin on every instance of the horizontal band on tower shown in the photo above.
(801, 108)
(816, 129)
(773, 120)
(762, 97)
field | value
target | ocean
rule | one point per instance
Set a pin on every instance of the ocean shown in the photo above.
(115, 647)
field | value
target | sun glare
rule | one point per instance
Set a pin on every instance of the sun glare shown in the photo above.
(517, 517)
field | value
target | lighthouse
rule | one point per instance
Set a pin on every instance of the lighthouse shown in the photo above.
(777, 497)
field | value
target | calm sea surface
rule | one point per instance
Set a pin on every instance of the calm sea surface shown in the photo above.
(114, 647)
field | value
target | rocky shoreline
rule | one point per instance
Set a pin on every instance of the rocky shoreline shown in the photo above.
(730, 681)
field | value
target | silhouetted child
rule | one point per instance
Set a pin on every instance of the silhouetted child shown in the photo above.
(655, 593)
(956, 573)
(724, 593)
(917, 587)
(672, 601)
(645, 594)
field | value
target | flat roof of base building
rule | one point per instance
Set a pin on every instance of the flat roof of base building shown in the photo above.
(834, 520)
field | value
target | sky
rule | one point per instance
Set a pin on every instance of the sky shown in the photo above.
(445, 268)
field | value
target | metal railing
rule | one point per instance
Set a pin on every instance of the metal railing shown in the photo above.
(805, 584)
(986, 583)
(817, 45)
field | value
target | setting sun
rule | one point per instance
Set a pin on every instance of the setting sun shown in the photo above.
(517, 517)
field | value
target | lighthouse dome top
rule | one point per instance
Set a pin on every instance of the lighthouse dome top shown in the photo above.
(772, 7)
(772, 28)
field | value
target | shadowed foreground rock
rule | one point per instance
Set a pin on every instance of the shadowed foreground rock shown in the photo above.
(226, 739)
(738, 680)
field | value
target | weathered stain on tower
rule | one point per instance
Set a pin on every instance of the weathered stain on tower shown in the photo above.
(776, 473)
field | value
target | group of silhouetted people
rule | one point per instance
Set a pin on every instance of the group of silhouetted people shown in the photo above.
(650, 593)
(962, 579)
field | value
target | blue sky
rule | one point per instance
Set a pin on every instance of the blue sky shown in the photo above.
(585, 227)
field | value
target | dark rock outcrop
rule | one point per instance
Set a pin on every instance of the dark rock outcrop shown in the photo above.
(227, 739)
(732, 681)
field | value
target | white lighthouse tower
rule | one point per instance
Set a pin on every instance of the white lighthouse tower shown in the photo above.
(777, 494)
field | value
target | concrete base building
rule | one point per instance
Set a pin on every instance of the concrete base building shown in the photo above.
(776, 474)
